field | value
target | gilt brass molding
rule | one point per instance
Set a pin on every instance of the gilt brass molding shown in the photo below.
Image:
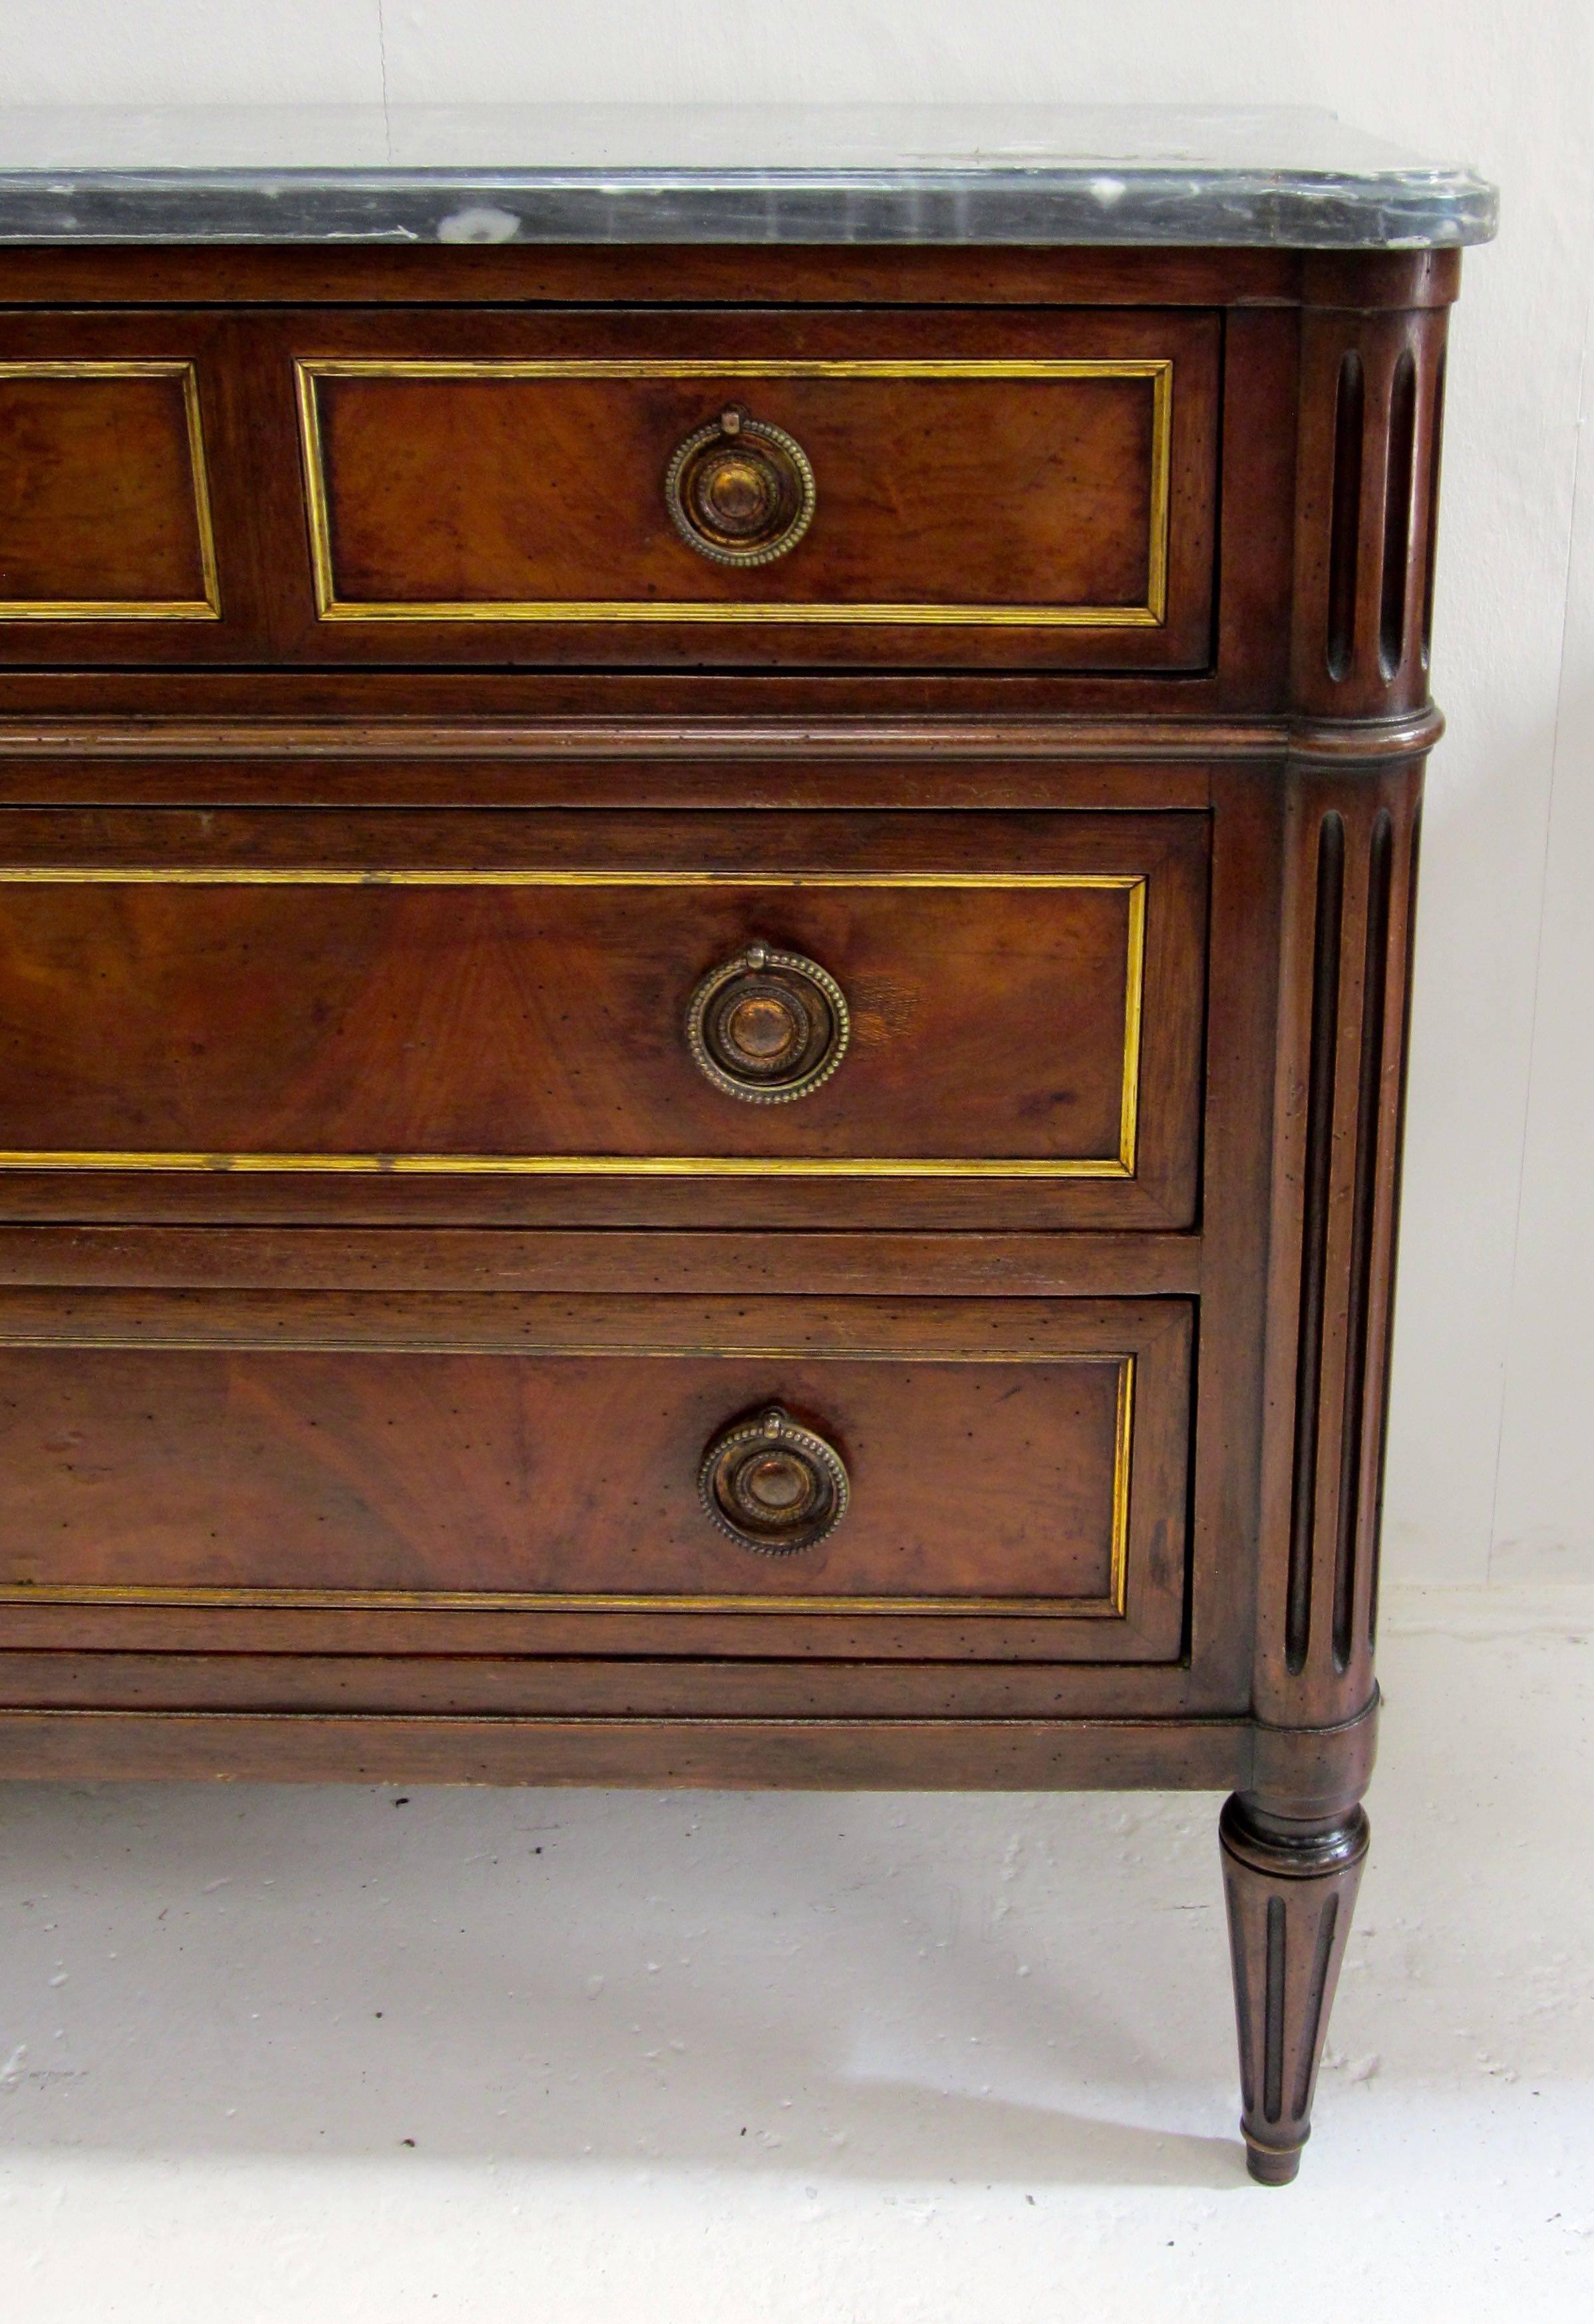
(1158, 370)
(1121, 1163)
(1113, 1605)
(134, 609)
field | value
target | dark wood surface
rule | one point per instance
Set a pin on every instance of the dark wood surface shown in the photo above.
(324, 1472)
(736, 276)
(109, 487)
(98, 482)
(973, 493)
(1016, 1468)
(496, 487)
(1034, 1000)
(1291, 1888)
(968, 495)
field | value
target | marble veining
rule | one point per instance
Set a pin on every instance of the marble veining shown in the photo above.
(1270, 176)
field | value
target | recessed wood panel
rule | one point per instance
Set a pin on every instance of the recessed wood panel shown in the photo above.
(530, 491)
(104, 495)
(1040, 493)
(1017, 1464)
(490, 997)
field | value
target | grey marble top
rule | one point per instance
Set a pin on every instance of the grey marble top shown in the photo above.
(1012, 174)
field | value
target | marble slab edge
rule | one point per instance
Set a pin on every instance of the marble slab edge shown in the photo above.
(1396, 210)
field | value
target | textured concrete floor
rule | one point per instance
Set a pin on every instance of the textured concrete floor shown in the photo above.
(274, 2054)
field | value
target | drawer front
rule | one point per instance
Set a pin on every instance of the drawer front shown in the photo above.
(1034, 489)
(746, 1019)
(125, 523)
(105, 497)
(943, 1477)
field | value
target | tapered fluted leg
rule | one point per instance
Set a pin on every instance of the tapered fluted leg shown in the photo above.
(1291, 1888)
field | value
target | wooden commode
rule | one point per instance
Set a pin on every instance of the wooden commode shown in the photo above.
(706, 858)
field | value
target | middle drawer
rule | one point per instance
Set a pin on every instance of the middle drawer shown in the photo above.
(699, 1019)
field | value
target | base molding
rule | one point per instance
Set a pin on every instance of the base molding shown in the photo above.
(93, 1746)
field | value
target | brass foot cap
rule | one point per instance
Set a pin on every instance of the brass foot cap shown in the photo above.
(1272, 2166)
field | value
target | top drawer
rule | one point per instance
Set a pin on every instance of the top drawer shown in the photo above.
(888, 488)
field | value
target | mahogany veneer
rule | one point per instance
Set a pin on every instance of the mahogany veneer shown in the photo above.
(621, 1164)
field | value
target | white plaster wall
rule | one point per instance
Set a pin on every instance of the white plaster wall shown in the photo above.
(1495, 1363)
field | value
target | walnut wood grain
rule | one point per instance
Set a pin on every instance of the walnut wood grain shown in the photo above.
(1372, 407)
(102, 493)
(735, 1754)
(1291, 1889)
(464, 1258)
(127, 530)
(1016, 1468)
(1349, 869)
(204, 1373)
(978, 492)
(457, 1664)
(690, 274)
(509, 995)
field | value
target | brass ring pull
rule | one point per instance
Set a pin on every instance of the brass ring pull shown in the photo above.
(772, 1486)
(738, 491)
(768, 1027)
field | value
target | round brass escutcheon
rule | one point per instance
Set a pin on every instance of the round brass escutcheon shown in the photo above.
(769, 1026)
(772, 1486)
(738, 491)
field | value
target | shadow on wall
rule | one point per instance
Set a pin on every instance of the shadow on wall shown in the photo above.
(1023, 1989)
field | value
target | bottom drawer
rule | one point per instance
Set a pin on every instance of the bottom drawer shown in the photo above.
(768, 1477)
